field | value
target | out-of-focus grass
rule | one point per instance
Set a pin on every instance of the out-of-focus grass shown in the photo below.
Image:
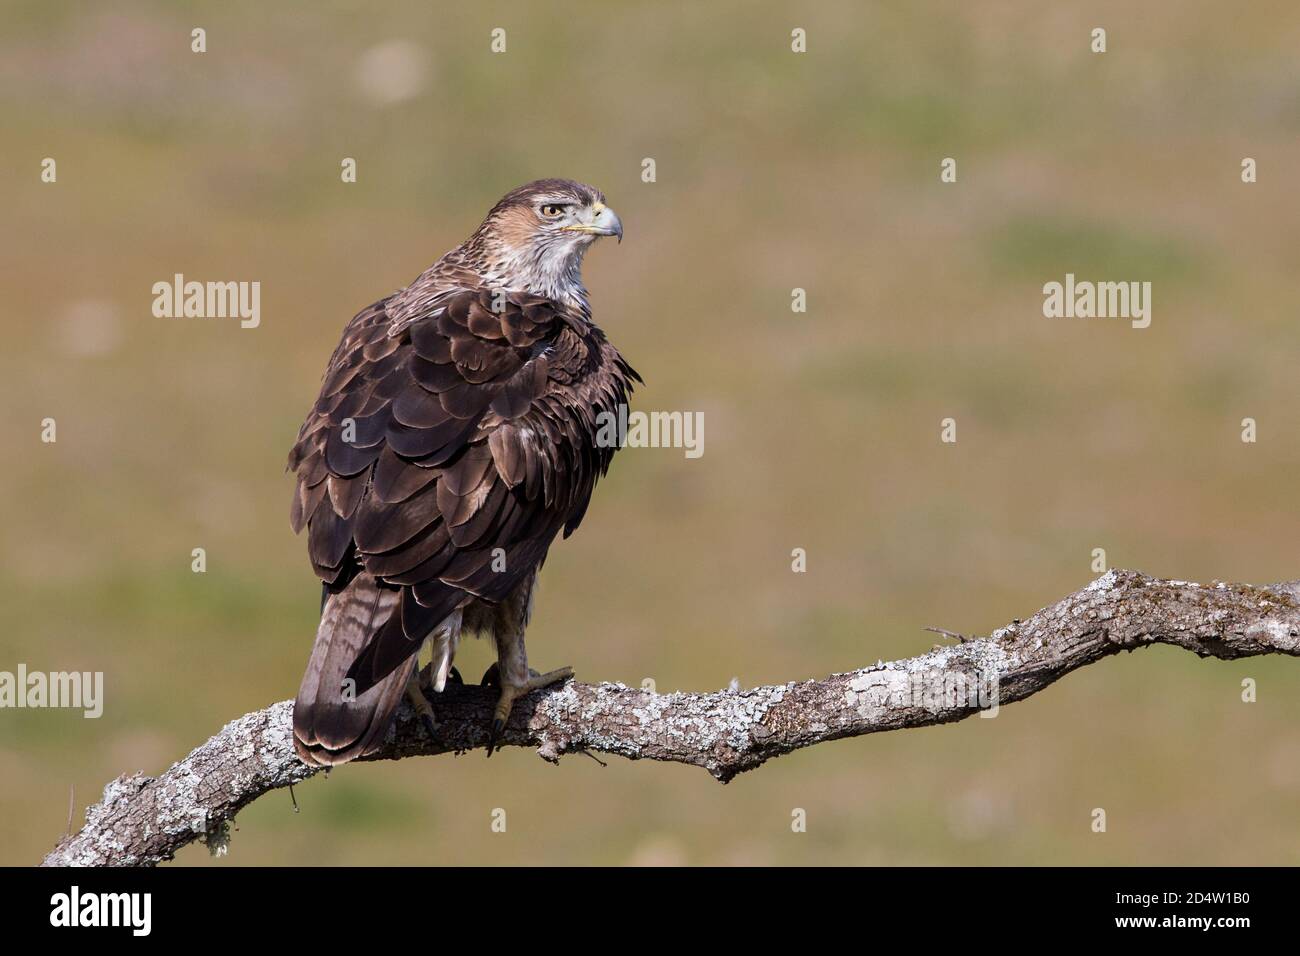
(1034, 246)
(774, 171)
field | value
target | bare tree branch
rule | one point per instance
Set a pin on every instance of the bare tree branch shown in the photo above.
(145, 820)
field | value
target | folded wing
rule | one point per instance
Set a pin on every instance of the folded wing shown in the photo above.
(446, 452)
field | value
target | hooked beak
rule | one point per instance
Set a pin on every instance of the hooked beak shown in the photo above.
(603, 221)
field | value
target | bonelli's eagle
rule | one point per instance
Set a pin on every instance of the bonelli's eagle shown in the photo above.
(453, 439)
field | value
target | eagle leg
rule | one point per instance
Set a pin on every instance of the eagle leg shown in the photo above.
(444, 641)
(427, 679)
(512, 691)
(415, 694)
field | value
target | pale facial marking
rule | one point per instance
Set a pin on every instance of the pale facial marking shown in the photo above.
(540, 245)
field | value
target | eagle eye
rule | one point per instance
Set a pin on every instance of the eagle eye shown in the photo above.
(552, 209)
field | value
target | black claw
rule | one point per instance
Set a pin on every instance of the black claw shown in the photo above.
(453, 676)
(498, 726)
(491, 677)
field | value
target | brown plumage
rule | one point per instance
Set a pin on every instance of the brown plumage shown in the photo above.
(456, 424)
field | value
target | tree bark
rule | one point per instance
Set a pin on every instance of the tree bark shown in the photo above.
(142, 820)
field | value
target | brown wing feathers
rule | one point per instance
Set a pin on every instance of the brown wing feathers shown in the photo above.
(467, 431)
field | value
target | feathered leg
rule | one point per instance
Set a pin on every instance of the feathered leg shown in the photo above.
(511, 670)
(435, 674)
(445, 640)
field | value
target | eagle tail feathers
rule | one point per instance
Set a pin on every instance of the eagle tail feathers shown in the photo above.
(333, 720)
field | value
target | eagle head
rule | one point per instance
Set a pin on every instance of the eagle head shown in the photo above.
(536, 235)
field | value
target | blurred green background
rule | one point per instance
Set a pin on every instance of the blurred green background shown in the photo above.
(775, 171)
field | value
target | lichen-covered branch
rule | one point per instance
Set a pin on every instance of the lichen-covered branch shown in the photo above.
(144, 820)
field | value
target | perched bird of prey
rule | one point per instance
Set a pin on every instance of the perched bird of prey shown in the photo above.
(454, 437)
